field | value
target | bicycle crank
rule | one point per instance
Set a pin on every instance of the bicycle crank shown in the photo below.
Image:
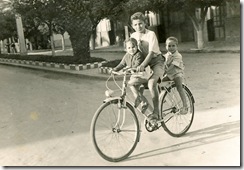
(150, 127)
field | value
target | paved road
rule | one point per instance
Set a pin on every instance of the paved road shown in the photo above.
(45, 119)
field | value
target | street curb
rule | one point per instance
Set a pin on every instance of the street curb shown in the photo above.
(74, 67)
(182, 51)
(77, 67)
(59, 71)
(104, 70)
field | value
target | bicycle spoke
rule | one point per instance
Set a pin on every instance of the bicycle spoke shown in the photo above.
(115, 132)
(178, 124)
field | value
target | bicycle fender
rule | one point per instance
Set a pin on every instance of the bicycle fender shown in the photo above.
(111, 99)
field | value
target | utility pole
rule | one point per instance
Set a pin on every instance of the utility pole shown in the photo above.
(22, 45)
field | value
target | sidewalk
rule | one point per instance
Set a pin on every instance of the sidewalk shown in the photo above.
(186, 47)
(99, 72)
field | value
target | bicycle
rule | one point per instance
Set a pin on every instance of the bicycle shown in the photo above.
(115, 127)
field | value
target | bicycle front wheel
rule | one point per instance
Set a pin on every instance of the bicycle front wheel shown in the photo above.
(115, 131)
(175, 123)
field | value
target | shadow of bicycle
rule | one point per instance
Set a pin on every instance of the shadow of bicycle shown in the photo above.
(204, 136)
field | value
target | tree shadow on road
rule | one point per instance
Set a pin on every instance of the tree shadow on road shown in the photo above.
(204, 136)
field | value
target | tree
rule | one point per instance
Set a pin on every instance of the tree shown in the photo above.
(60, 29)
(7, 25)
(42, 12)
(191, 7)
(7, 21)
(80, 18)
(32, 30)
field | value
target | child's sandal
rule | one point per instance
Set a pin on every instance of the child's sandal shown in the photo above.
(153, 118)
(137, 101)
(144, 107)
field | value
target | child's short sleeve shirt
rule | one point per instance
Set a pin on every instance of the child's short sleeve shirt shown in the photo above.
(131, 61)
(174, 59)
(147, 42)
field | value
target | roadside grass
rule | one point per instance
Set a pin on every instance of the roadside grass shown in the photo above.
(112, 63)
(65, 59)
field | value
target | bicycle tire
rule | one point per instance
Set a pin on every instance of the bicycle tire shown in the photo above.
(104, 141)
(173, 125)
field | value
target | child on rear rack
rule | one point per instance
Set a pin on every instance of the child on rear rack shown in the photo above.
(132, 59)
(175, 68)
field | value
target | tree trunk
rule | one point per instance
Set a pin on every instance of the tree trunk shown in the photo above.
(63, 42)
(200, 41)
(52, 45)
(199, 26)
(80, 44)
(80, 32)
(92, 41)
(35, 43)
(51, 38)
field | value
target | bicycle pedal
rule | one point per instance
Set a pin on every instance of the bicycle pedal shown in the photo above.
(151, 127)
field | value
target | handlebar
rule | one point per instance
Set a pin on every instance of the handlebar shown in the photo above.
(125, 71)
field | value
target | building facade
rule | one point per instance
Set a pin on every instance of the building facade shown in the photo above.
(222, 23)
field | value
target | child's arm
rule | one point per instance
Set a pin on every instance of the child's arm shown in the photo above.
(138, 60)
(121, 65)
(153, 47)
(146, 61)
(176, 62)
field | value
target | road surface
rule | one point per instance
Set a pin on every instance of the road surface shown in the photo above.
(45, 119)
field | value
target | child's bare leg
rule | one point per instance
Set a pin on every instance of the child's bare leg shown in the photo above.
(152, 85)
(144, 104)
(178, 83)
(135, 91)
(141, 91)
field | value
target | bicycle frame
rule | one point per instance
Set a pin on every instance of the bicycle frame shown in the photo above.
(116, 122)
(163, 88)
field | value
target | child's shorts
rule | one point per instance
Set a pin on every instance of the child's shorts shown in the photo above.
(157, 66)
(134, 81)
(175, 72)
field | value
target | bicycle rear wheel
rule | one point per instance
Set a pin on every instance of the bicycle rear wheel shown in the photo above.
(176, 124)
(115, 131)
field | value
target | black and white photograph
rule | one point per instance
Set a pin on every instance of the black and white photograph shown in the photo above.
(120, 83)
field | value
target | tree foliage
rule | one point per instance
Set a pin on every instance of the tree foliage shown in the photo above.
(81, 17)
(78, 17)
(189, 7)
(7, 20)
(7, 25)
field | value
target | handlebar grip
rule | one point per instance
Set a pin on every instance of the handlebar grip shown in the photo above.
(127, 70)
(116, 73)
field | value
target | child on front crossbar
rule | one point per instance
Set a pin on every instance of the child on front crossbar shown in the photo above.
(132, 59)
(175, 69)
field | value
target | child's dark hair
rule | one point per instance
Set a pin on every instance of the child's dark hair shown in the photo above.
(172, 39)
(132, 40)
(138, 15)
